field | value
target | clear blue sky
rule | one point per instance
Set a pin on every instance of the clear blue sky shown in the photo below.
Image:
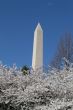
(18, 19)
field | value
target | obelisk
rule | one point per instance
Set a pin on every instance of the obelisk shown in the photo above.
(37, 58)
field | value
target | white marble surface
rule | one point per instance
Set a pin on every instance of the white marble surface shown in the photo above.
(37, 58)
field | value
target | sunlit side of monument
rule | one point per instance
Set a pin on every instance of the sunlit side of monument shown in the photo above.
(37, 58)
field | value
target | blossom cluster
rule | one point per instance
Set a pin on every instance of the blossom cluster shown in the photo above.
(36, 91)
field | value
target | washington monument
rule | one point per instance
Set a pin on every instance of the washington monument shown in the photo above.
(37, 58)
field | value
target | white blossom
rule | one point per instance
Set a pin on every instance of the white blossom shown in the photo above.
(36, 91)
